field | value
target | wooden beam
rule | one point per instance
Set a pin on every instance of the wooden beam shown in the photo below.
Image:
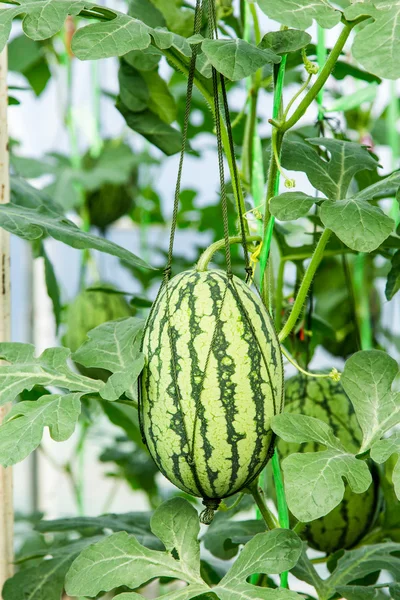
(6, 491)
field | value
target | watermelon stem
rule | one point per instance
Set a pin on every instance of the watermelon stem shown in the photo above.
(305, 285)
(266, 514)
(333, 374)
(207, 255)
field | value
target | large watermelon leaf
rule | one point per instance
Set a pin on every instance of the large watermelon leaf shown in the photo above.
(360, 562)
(331, 177)
(22, 431)
(117, 348)
(314, 481)
(362, 226)
(46, 580)
(383, 33)
(114, 346)
(121, 561)
(367, 379)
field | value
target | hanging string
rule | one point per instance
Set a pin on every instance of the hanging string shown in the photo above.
(219, 82)
(189, 94)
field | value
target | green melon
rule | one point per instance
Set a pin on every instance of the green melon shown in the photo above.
(89, 309)
(213, 380)
(108, 204)
(325, 399)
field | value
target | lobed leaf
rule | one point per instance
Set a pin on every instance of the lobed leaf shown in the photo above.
(22, 431)
(114, 346)
(46, 580)
(381, 452)
(319, 475)
(331, 177)
(367, 379)
(377, 45)
(121, 561)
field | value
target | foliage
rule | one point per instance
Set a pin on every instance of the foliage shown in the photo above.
(329, 247)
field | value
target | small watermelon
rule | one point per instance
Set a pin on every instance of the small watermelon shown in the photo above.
(325, 399)
(108, 204)
(213, 380)
(116, 175)
(89, 309)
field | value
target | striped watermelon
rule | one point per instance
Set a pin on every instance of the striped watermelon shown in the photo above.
(325, 399)
(212, 382)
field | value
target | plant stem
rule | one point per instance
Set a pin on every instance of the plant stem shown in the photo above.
(321, 80)
(283, 510)
(207, 255)
(305, 285)
(266, 514)
(279, 294)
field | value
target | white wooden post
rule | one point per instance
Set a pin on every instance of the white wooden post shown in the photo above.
(6, 494)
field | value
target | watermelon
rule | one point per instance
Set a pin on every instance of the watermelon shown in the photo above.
(325, 399)
(108, 204)
(89, 309)
(213, 380)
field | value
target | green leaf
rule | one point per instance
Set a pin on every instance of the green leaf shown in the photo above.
(161, 102)
(314, 481)
(133, 90)
(144, 60)
(52, 286)
(332, 177)
(145, 11)
(301, 13)
(272, 552)
(111, 38)
(356, 592)
(46, 580)
(382, 33)
(32, 224)
(393, 278)
(367, 379)
(285, 41)
(177, 526)
(177, 19)
(381, 452)
(351, 101)
(360, 225)
(149, 125)
(121, 560)
(23, 53)
(291, 205)
(385, 188)
(136, 523)
(223, 538)
(237, 59)
(22, 431)
(356, 564)
(114, 346)
(23, 194)
(49, 369)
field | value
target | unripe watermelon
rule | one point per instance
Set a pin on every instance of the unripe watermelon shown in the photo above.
(325, 399)
(108, 204)
(213, 380)
(89, 309)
